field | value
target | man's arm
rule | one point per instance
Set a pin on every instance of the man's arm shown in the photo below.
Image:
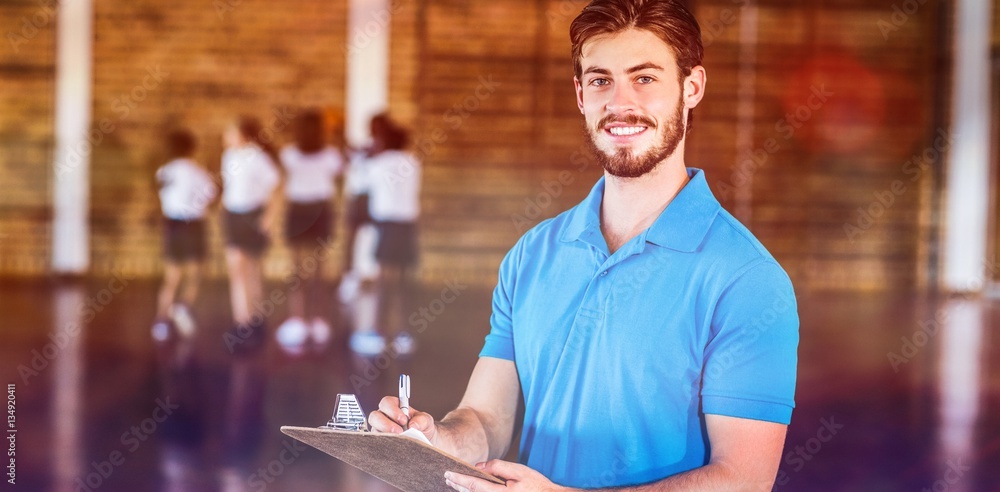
(745, 457)
(482, 426)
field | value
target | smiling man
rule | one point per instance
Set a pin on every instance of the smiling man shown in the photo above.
(651, 337)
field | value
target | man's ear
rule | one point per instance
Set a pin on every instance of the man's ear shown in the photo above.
(694, 87)
(579, 93)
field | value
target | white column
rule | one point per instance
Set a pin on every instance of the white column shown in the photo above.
(968, 177)
(74, 97)
(367, 65)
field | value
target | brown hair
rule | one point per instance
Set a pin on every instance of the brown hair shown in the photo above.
(670, 20)
(388, 134)
(180, 143)
(253, 131)
(309, 132)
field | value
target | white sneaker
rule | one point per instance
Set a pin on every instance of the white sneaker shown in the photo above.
(292, 335)
(404, 344)
(367, 343)
(350, 284)
(320, 331)
(161, 331)
(182, 319)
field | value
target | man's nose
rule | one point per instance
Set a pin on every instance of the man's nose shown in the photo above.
(623, 99)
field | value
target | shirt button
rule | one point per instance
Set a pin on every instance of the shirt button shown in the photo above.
(604, 273)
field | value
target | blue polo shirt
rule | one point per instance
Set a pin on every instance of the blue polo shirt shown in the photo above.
(620, 356)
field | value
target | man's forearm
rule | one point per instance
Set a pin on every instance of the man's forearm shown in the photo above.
(711, 477)
(467, 434)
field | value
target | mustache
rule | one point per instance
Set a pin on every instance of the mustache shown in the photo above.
(628, 119)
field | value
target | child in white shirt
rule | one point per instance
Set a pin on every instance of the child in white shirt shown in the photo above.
(186, 190)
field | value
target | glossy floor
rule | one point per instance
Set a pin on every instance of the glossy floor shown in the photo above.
(896, 392)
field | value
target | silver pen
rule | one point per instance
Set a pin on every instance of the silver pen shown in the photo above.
(404, 394)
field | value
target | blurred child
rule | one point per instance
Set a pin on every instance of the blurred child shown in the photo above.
(186, 190)
(394, 206)
(250, 199)
(359, 254)
(311, 168)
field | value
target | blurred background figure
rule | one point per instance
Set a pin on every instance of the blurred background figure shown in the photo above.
(394, 206)
(311, 168)
(251, 181)
(186, 190)
(360, 267)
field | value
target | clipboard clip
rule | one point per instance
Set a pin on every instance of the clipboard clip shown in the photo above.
(347, 415)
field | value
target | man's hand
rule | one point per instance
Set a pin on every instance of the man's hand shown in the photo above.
(482, 426)
(389, 418)
(519, 479)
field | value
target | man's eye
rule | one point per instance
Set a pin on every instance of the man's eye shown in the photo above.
(645, 79)
(599, 82)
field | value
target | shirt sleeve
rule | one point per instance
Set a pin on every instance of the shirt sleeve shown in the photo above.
(500, 341)
(750, 359)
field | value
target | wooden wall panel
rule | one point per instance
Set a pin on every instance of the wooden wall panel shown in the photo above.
(27, 93)
(486, 87)
(217, 61)
(854, 146)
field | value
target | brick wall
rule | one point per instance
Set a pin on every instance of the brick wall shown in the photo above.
(487, 88)
(494, 168)
(27, 96)
(197, 64)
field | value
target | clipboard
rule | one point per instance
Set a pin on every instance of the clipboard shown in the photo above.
(400, 461)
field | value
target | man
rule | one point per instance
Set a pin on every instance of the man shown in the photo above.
(651, 336)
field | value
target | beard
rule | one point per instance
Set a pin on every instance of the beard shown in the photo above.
(623, 163)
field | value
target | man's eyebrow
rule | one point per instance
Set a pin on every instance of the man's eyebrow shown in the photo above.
(599, 71)
(644, 66)
(637, 68)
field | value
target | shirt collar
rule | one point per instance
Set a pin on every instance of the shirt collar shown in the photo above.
(682, 226)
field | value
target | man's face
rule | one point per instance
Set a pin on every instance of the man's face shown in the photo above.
(631, 100)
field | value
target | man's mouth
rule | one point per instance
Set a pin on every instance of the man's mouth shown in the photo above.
(625, 131)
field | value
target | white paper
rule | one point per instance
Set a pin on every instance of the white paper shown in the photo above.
(417, 436)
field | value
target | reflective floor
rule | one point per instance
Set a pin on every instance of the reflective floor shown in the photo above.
(896, 392)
